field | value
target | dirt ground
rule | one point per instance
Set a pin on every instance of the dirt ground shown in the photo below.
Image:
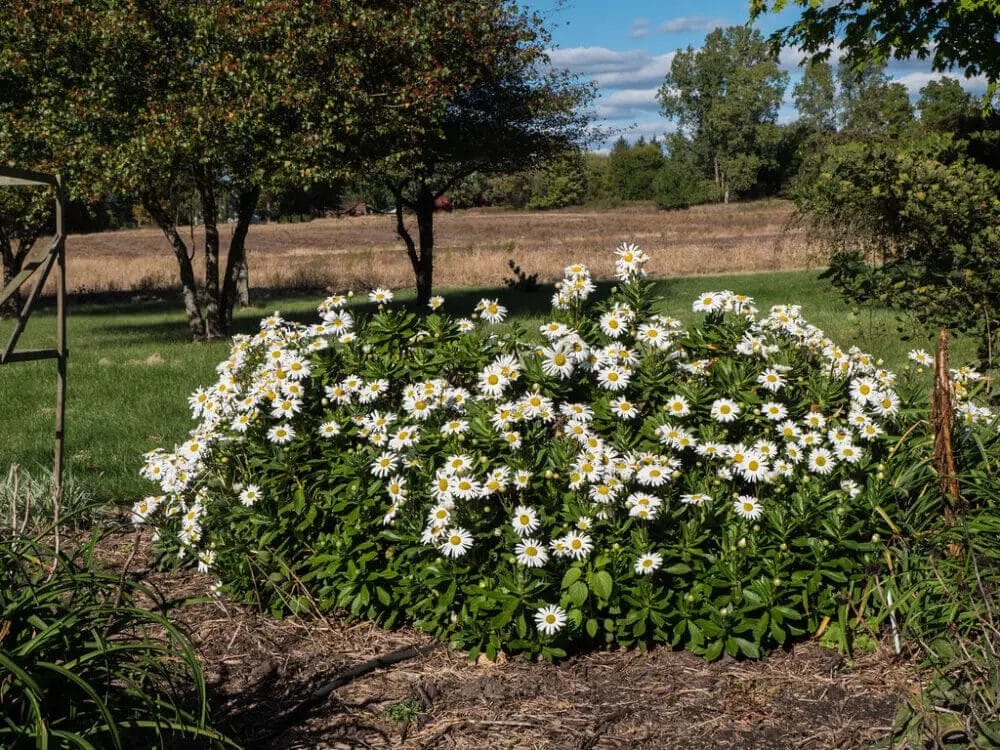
(261, 673)
(472, 248)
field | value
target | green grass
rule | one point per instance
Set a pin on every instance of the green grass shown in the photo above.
(132, 367)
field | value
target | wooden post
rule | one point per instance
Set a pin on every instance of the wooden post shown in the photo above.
(39, 262)
(62, 355)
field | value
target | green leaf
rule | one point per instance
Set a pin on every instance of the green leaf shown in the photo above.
(601, 584)
(570, 577)
(714, 650)
(577, 593)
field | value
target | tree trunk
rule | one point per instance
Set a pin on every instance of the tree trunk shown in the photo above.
(210, 213)
(236, 260)
(12, 261)
(243, 284)
(424, 209)
(189, 289)
(422, 255)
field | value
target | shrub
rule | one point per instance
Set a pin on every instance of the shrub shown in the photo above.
(915, 227)
(678, 185)
(620, 480)
(83, 666)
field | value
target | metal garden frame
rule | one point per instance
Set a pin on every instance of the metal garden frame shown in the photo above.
(38, 264)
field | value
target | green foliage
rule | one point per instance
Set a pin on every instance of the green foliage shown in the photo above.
(871, 106)
(560, 182)
(725, 98)
(941, 580)
(402, 482)
(957, 34)
(82, 665)
(917, 227)
(945, 107)
(632, 169)
(679, 184)
(815, 97)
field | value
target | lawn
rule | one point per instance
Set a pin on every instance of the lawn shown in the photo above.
(132, 367)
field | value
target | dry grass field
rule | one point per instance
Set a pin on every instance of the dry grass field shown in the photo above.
(472, 248)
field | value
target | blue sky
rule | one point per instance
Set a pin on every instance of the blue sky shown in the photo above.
(626, 47)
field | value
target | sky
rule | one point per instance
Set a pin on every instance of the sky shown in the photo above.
(626, 46)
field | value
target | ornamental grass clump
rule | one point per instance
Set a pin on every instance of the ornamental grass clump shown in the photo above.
(83, 665)
(615, 479)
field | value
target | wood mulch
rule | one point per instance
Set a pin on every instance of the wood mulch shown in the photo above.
(261, 673)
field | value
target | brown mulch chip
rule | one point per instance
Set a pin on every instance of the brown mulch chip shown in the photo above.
(260, 669)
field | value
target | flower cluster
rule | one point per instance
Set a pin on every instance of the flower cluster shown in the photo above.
(594, 444)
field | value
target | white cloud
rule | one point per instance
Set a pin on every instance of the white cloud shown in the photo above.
(791, 58)
(614, 68)
(640, 28)
(633, 97)
(691, 23)
(918, 79)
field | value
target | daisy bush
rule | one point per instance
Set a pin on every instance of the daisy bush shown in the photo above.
(613, 479)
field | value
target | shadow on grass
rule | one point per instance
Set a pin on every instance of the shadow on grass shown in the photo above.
(459, 302)
(168, 323)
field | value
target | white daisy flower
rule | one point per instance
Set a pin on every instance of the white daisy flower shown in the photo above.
(525, 520)
(491, 311)
(578, 546)
(623, 409)
(531, 553)
(771, 379)
(435, 302)
(556, 363)
(774, 411)
(696, 498)
(550, 619)
(724, 410)
(250, 495)
(384, 464)
(613, 378)
(748, 507)
(677, 406)
(380, 295)
(648, 562)
(708, 302)
(455, 542)
(281, 434)
(821, 461)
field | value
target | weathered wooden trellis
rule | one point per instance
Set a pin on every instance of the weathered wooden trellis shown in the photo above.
(37, 265)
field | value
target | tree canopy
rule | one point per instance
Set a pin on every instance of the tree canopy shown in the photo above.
(224, 100)
(725, 98)
(951, 35)
(511, 111)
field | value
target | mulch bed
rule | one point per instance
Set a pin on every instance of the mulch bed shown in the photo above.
(261, 670)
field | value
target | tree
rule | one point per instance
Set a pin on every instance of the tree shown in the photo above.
(632, 169)
(945, 107)
(952, 34)
(816, 97)
(159, 98)
(916, 227)
(871, 105)
(725, 98)
(561, 181)
(509, 110)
